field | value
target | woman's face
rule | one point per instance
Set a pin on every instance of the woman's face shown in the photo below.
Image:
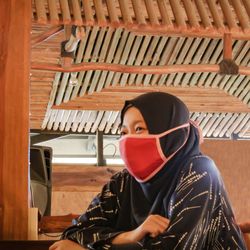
(133, 123)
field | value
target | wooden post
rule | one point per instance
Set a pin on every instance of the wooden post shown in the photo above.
(15, 27)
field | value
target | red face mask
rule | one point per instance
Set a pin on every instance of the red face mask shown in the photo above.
(142, 154)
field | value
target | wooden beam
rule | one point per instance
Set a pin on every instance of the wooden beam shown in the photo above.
(166, 69)
(197, 99)
(15, 23)
(46, 35)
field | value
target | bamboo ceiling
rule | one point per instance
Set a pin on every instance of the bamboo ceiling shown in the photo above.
(128, 47)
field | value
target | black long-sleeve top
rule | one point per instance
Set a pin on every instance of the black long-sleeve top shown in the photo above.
(199, 211)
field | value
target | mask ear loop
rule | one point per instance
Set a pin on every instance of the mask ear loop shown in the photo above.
(195, 124)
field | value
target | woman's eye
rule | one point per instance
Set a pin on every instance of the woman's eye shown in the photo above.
(122, 133)
(138, 129)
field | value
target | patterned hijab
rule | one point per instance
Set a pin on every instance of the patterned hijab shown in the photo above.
(161, 112)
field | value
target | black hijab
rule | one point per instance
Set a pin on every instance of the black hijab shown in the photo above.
(161, 112)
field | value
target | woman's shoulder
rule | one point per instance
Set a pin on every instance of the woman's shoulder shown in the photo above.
(201, 164)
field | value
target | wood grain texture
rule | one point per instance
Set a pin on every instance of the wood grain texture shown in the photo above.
(15, 22)
(197, 99)
(73, 190)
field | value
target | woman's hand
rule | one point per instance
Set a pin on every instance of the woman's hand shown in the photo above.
(66, 245)
(152, 226)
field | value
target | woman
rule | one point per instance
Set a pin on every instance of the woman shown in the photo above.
(170, 196)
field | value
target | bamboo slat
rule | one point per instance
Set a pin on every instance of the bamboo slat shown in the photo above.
(112, 12)
(90, 121)
(198, 58)
(216, 123)
(77, 121)
(87, 9)
(117, 55)
(124, 57)
(82, 56)
(164, 13)
(84, 119)
(203, 14)
(209, 124)
(222, 124)
(229, 17)
(215, 14)
(58, 118)
(131, 59)
(178, 13)
(127, 19)
(247, 6)
(64, 119)
(151, 12)
(138, 7)
(52, 118)
(188, 52)
(155, 58)
(227, 125)
(97, 121)
(148, 56)
(70, 120)
(245, 95)
(236, 85)
(53, 12)
(233, 79)
(88, 57)
(41, 11)
(62, 88)
(191, 13)
(242, 15)
(169, 55)
(103, 55)
(139, 57)
(172, 60)
(243, 123)
(65, 11)
(105, 119)
(92, 75)
(245, 129)
(110, 55)
(115, 127)
(111, 121)
(77, 12)
(101, 19)
(205, 120)
(242, 87)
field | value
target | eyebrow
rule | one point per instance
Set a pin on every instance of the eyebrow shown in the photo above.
(135, 122)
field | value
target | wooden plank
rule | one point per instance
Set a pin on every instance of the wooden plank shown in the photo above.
(197, 99)
(138, 6)
(241, 14)
(114, 43)
(77, 12)
(164, 13)
(15, 18)
(41, 12)
(215, 14)
(178, 13)
(151, 12)
(203, 14)
(191, 13)
(53, 12)
(229, 17)
(65, 11)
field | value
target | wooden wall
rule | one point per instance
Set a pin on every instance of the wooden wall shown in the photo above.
(233, 161)
(15, 26)
(75, 186)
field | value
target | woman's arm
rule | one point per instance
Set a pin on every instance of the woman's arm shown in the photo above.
(153, 226)
(96, 227)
